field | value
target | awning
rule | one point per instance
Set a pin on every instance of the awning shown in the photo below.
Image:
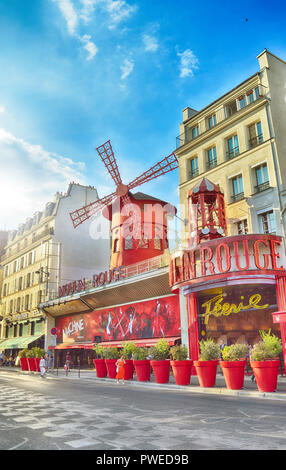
(18, 343)
(141, 342)
(73, 346)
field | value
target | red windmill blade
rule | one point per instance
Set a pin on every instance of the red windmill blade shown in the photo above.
(106, 154)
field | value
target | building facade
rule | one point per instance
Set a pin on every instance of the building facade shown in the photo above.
(238, 142)
(41, 255)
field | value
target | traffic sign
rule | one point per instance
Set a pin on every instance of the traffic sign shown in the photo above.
(54, 331)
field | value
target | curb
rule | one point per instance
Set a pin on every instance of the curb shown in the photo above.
(217, 390)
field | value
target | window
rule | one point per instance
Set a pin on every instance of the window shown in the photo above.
(195, 132)
(232, 147)
(230, 108)
(128, 242)
(194, 167)
(250, 97)
(242, 101)
(267, 222)
(18, 307)
(255, 134)
(261, 178)
(211, 158)
(256, 92)
(242, 227)
(237, 188)
(27, 302)
(116, 245)
(212, 121)
(157, 243)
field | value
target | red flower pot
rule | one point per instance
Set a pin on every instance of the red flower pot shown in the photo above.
(100, 367)
(31, 364)
(161, 371)
(128, 369)
(37, 364)
(111, 368)
(206, 372)
(233, 372)
(266, 374)
(24, 363)
(182, 371)
(143, 370)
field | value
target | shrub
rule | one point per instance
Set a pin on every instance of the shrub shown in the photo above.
(128, 350)
(179, 353)
(140, 354)
(111, 353)
(38, 352)
(99, 351)
(210, 351)
(235, 352)
(23, 353)
(268, 348)
(161, 351)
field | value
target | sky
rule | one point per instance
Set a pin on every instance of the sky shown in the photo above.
(76, 73)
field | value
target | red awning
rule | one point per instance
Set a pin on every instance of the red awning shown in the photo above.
(73, 346)
(141, 342)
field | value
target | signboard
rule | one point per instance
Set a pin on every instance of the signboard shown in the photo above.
(147, 319)
(226, 255)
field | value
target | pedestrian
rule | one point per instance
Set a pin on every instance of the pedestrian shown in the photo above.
(68, 361)
(43, 366)
(1, 358)
(47, 358)
(17, 361)
(51, 363)
(120, 369)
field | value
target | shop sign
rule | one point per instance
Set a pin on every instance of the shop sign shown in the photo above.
(100, 279)
(225, 255)
(215, 306)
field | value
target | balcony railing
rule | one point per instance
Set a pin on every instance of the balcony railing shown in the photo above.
(229, 111)
(193, 173)
(232, 153)
(237, 197)
(255, 141)
(211, 164)
(261, 187)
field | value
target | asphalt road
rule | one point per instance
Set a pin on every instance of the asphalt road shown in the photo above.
(75, 414)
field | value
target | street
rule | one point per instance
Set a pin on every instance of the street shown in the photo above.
(75, 414)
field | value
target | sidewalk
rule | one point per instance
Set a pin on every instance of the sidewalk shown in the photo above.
(249, 391)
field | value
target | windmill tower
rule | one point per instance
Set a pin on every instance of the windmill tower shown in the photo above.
(207, 216)
(138, 233)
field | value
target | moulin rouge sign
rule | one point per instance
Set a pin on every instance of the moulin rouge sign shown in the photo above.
(242, 253)
(105, 277)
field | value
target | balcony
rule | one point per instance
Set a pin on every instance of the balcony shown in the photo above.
(255, 141)
(232, 153)
(227, 110)
(261, 187)
(193, 173)
(211, 164)
(237, 197)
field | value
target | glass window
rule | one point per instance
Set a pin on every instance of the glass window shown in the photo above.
(232, 146)
(212, 121)
(242, 227)
(116, 245)
(267, 222)
(212, 158)
(256, 91)
(194, 167)
(237, 188)
(242, 102)
(261, 174)
(128, 242)
(195, 132)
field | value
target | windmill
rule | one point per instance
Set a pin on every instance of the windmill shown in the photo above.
(122, 190)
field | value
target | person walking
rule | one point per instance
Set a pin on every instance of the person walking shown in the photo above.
(68, 361)
(47, 359)
(120, 369)
(43, 366)
(51, 363)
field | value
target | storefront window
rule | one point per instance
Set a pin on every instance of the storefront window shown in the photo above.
(236, 314)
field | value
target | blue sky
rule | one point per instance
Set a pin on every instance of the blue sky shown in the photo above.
(75, 73)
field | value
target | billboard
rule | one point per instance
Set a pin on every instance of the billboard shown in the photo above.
(156, 318)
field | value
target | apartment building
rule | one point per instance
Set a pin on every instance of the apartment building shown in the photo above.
(43, 254)
(239, 142)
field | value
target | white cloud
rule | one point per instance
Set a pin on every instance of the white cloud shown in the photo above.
(188, 63)
(126, 68)
(118, 10)
(2, 109)
(69, 13)
(89, 46)
(30, 176)
(150, 43)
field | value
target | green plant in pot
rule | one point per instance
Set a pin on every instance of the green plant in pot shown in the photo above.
(233, 365)
(23, 353)
(160, 363)
(181, 366)
(265, 362)
(99, 362)
(23, 359)
(111, 355)
(206, 365)
(128, 350)
(142, 364)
